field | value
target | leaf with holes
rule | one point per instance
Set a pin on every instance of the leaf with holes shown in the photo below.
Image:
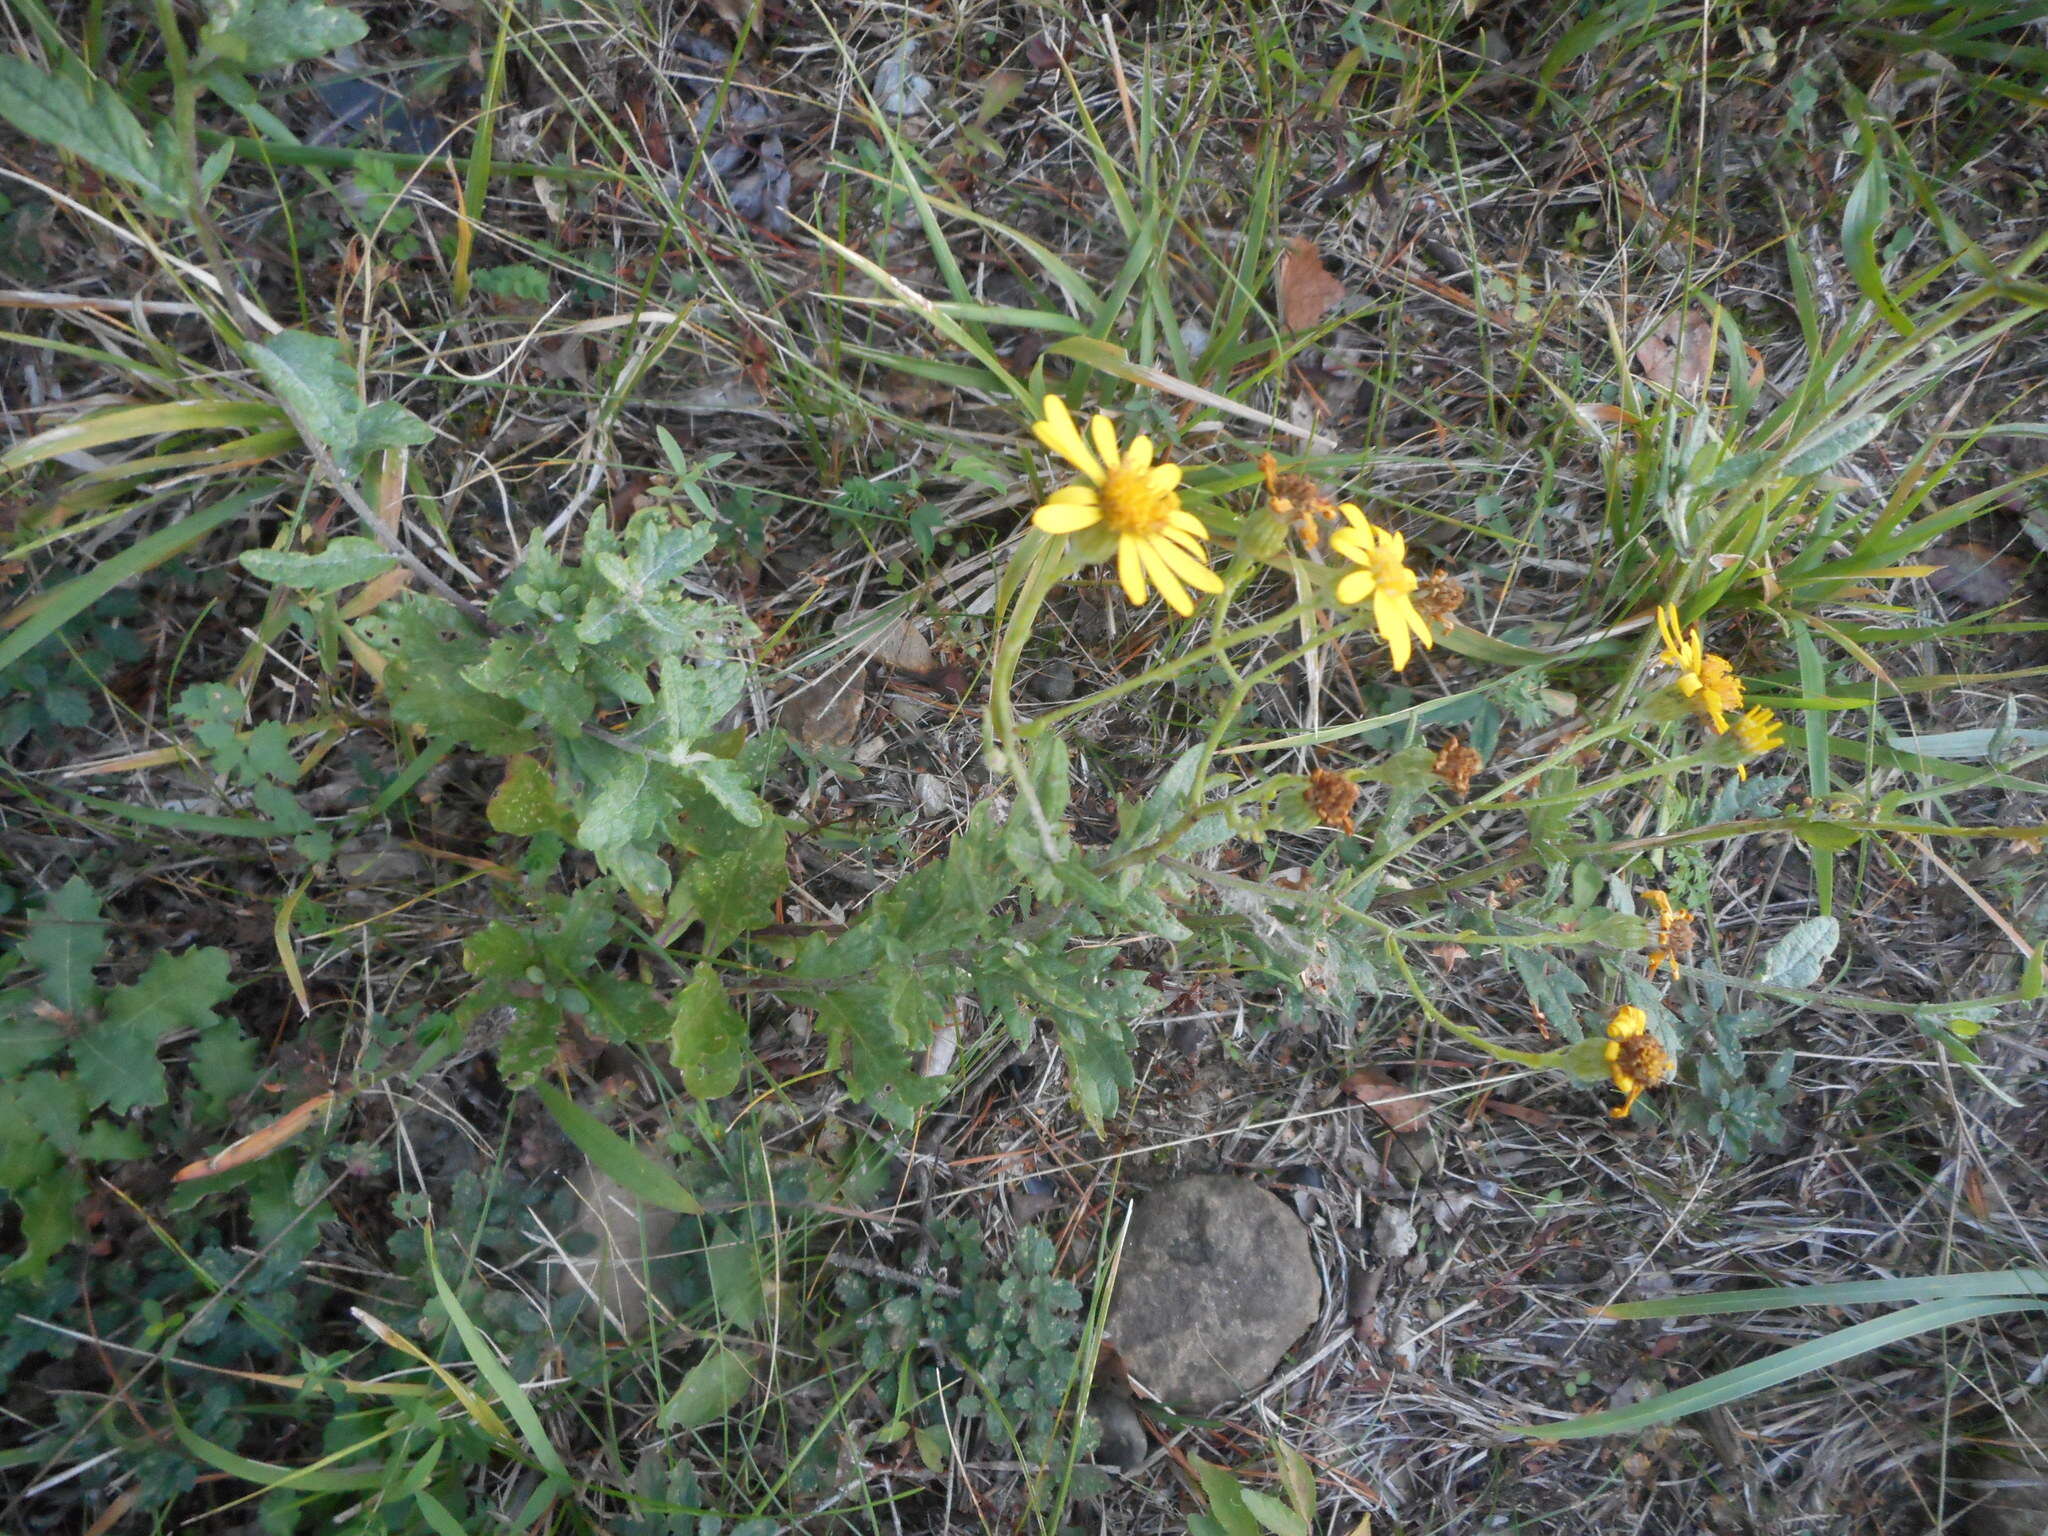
(708, 1037)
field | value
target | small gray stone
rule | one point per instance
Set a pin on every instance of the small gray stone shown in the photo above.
(1412, 1158)
(1123, 1435)
(1053, 682)
(1215, 1283)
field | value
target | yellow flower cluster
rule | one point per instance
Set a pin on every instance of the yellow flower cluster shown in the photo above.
(1708, 683)
(1128, 506)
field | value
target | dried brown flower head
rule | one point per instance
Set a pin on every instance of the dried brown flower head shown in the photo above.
(1298, 500)
(1455, 764)
(1439, 598)
(1331, 796)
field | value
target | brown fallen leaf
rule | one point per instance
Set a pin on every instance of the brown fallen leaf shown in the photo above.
(1402, 1107)
(1974, 574)
(1307, 290)
(826, 711)
(258, 1143)
(1678, 351)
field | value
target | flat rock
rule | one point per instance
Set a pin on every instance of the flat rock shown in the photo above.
(2012, 1483)
(1215, 1283)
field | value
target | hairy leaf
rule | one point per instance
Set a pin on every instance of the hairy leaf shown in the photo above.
(256, 35)
(345, 562)
(86, 118)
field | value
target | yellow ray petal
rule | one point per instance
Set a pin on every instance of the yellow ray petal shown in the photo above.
(1187, 522)
(1355, 587)
(1181, 539)
(1354, 517)
(1387, 619)
(1129, 572)
(1186, 566)
(1163, 578)
(1163, 478)
(1065, 517)
(1058, 433)
(1420, 625)
(1351, 545)
(1138, 457)
(1102, 432)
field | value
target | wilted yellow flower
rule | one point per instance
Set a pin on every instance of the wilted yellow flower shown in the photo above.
(1298, 501)
(1706, 681)
(1382, 575)
(1634, 1060)
(1134, 505)
(1758, 731)
(1672, 935)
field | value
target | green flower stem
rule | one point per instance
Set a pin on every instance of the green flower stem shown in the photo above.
(1546, 1061)
(1451, 818)
(1041, 561)
(1199, 810)
(1209, 650)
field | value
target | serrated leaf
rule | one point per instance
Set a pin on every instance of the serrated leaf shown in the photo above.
(724, 782)
(710, 1390)
(429, 649)
(345, 562)
(116, 1058)
(733, 887)
(49, 1220)
(66, 939)
(86, 118)
(223, 1063)
(256, 35)
(708, 1037)
(1825, 449)
(1798, 958)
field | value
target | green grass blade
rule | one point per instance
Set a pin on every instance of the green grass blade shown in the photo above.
(492, 1369)
(616, 1157)
(2000, 1282)
(1814, 1355)
(54, 610)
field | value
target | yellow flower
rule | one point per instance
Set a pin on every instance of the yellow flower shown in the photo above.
(1706, 681)
(1634, 1060)
(1383, 576)
(1756, 732)
(1673, 934)
(1132, 500)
